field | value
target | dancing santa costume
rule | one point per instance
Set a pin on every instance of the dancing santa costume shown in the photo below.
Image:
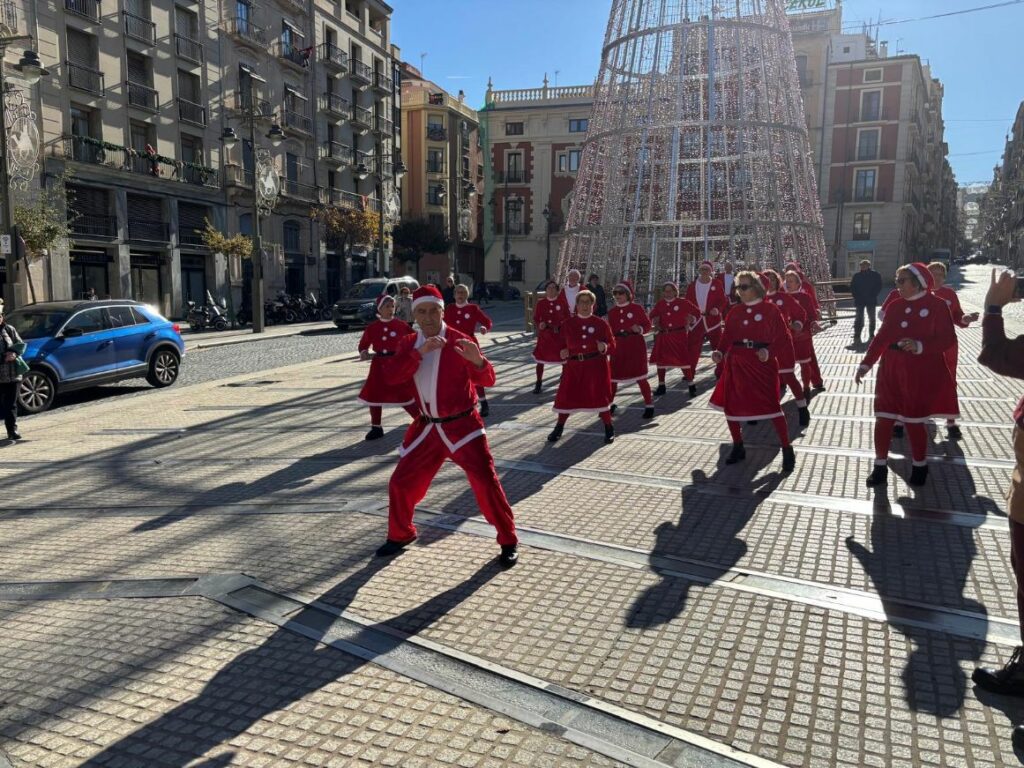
(572, 289)
(383, 336)
(752, 341)
(466, 318)
(803, 340)
(960, 320)
(914, 384)
(445, 368)
(673, 319)
(586, 383)
(710, 298)
(794, 317)
(548, 315)
(629, 322)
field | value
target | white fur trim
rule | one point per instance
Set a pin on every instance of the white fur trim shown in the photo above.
(787, 370)
(745, 418)
(547, 362)
(453, 447)
(581, 410)
(426, 300)
(908, 420)
(402, 451)
(673, 367)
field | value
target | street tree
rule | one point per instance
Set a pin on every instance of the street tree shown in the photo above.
(346, 227)
(234, 247)
(415, 237)
(44, 223)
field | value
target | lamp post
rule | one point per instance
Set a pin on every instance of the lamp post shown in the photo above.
(266, 185)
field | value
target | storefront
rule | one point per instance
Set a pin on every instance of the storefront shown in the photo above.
(90, 274)
(147, 282)
(193, 279)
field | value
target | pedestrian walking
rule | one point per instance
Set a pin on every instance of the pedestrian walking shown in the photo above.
(809, 288)
(865, 286)
(470, 320)
(709, 296)
(1005, 357)
(629, 322)
(446, 368)
(12, 346)
(382, 337)
(548, 315)
(595, 287)
(960, 320)
(749, 348)
(673, 319)
(794, 318)
(803, 340)
(586, 383)
(914, 384)
(571, 289)
(403, 306)
(449, 290)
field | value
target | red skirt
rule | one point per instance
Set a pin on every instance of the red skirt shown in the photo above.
(376, 391)
(915, 388)
(673, 349)
(952, 355)
(629, 360)
(585, 386)
(787, 358)
(748, 389)
(548, 349)
(803, 346)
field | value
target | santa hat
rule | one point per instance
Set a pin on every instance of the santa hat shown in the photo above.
(794, 266)
(670, 283)
(382, 298)
(707, 264)
(767, 283)
(626, 285)
(427, 294)
(924, 276)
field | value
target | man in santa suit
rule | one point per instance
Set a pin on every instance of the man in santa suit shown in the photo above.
(728, 282)
(572, 289)
(446, 367)
(710, 298)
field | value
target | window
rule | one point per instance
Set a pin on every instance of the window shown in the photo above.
(435, 195)
(435, 161)
(140, 319)
(291, 167)
(435, 122)
(872, 75)
(864, 186)
(862, 226)
(514, 216)
(513, 129)
(574, 160)
(515, 270)
(292, 237)
(563, 163)
(120, 317)
(870, 106)
(89, 321)
(514, 168)
(867, 144)
(579, 126)
(801, 71)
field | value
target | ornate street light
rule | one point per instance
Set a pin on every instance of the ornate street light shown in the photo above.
(31, 68)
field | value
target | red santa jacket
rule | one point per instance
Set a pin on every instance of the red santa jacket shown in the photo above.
(445, 386)
(790, 306)
(760, 322)
(717, 303)
(925, 320)
(675, 314)
(580, 335)
(554, 312)
(622, 319)
(949, 296)
(384, 335)
(466, 318)
(893, 295)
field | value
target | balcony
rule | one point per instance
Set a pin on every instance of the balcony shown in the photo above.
(384, 126)
(189, 49)
(335, 153)
(382, 84)
(147, 231)
(94, 227)
(85, 78)
(9, 17)
(364, 158)
(189, 237)
(385, 169)
(291, 54)
(144, 165)
(362, 119)
(515, 176)
(85, 149)
(189, 112)
(333, 59)
(139, 28)
(296, 121)
(336, 106)
(297, 191)
(246, 105)
(247, 33)
(142, 96)
(87, 9)
(201, 176)
(437, 133)
(360, 74)
(236, 176)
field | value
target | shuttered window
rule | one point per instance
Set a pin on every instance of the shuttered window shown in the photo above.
(188, 87)
(186, 24)
(88, 201)
(192, 217)
(82, 49)
(138, 69)
(141, 135)
(145, 208)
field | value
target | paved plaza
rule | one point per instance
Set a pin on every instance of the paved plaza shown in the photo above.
(188, 580)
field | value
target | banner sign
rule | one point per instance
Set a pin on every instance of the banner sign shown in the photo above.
(802, 6)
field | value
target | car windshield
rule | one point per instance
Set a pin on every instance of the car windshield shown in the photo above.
(37, 323)
(365, 291)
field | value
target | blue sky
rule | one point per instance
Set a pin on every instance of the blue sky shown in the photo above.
(977, 56)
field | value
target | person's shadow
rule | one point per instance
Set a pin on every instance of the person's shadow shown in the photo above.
(708, 530)
(284, 669)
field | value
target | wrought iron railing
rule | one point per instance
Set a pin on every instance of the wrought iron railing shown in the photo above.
(93, 226)
(299, 191)
(85, 78)
(143, 96)
(332, 57)
(296, 121)
(291, 53)
(200, 176)
(362, 116)
(148, 230)
(139, 28)
(264, 109)
(437, 133)
(191, 113)
(361, 72)
(515, 176)
(236, 176)
(382, 82)
(332, 102)
(190, 237)
(90, 9)
(189, 49)
(335, 150)
(384, 125)
(243, 28)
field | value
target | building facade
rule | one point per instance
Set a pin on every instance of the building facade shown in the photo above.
(444, 179)
(1001, 214)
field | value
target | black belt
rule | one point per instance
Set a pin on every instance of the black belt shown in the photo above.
(623, 335)
(585, 356)
(444, 419)
(752, 344)
(384, 354)
(671, 330)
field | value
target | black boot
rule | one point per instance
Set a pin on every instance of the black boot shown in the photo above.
(391, 547)
(375, 433)
(661, 389)
(738, 454)
(612, 408)
(953, 432)
(1008, 681)
(788, 459)
(509, 555)
(805, 416)
(12, 432)
(918, 475)
(556, 433)
(485, 410)
(609, 434)
(536, 388)
(897, 431)
(879, 476)
(693, 390)
(648, 412)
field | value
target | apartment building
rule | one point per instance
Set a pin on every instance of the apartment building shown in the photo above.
(533, 142)
(969, 198)
(444, 177)
(1001, 216)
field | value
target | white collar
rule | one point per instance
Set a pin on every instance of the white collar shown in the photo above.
(623, 304)
(752, 303)
(460, 306)
(917, 296)
(581, 317)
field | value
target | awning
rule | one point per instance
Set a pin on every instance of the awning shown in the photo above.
(290, 89)
(252, 73)
(293, 27)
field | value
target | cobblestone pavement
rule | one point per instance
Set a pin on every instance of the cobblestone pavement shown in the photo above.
(796, 620)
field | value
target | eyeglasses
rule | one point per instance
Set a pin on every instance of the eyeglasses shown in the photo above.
(618, 291)
(743, 286)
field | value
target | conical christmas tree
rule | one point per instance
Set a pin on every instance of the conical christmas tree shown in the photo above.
(697, 148)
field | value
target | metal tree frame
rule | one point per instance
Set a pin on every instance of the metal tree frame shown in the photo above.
(697, 148)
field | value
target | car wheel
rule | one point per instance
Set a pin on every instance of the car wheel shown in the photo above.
(221, 324)
(36, 392)
(163, 368)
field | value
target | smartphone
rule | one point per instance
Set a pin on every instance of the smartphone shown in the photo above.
(1018, 292)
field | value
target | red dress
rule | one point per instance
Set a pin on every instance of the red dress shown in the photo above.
(586, 384)
(629, 361)
(914, 388)
(383, 336)
(672, 347)
(466, 318)
(893, 295)
(792, 311)
(948, 295)
(803, 340)
(549, 340)
(749, 389)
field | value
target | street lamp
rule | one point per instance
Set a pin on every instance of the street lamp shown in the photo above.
(266, 185)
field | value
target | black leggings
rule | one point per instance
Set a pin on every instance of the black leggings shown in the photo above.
(9, 404)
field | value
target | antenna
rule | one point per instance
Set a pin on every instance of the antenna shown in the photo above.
(422, 57)
(556, 77)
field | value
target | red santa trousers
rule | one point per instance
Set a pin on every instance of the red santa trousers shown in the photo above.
(417, 469)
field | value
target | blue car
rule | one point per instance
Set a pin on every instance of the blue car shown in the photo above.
(78, 344)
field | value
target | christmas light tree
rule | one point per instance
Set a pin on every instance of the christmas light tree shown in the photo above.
(697, 148)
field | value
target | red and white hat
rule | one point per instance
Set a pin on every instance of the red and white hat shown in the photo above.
(707, 264)
(668, 283)
(384, 297)
(793, 265)
(765, 281)
(924, 276)
(427, 294)
(627, 285)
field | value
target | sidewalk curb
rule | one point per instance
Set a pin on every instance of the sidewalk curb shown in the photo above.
(296, 330)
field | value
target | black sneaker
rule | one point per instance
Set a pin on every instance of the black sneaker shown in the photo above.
(536, 389)
(693, 390)
(661, 389)
(879, 476)
(13, 434)
(738, 454)
(375, 433)
(391, 547)
(952, 432)
(1008, 681)
(485, 410)
(609, 434)
(918, 475)
(788, 459)
(648, 412)
(556, 433)
(897, 431)
(805, 416)
(509, 555)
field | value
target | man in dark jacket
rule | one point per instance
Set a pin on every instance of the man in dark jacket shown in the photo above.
(595, 287)
(865, 286)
